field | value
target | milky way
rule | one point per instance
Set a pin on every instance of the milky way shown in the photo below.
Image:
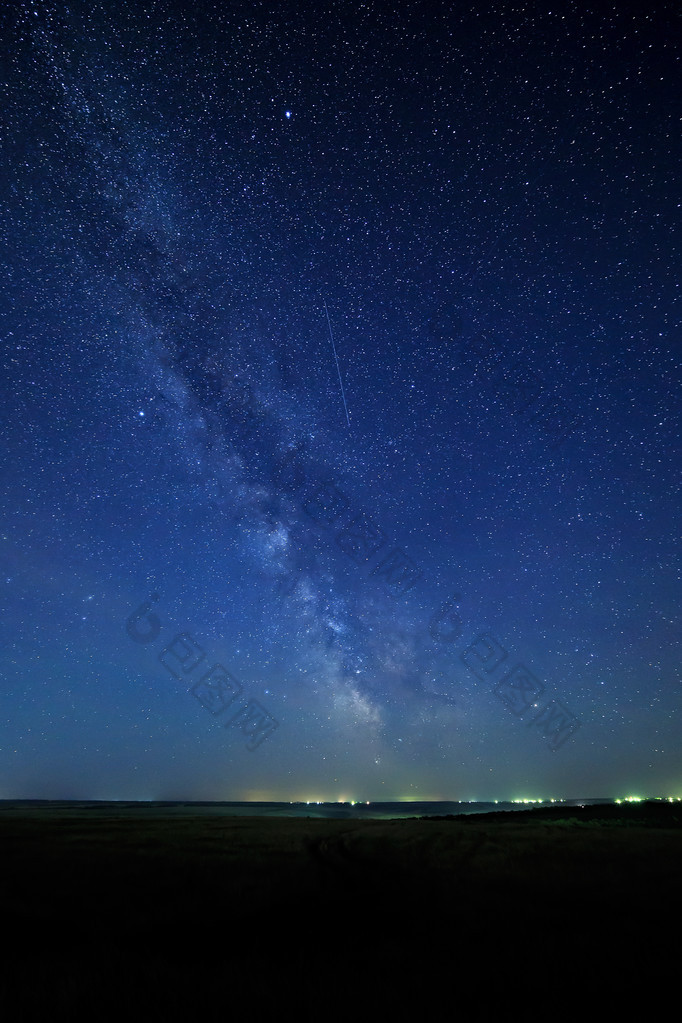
(341, 403)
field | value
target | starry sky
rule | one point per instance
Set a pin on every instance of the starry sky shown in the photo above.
(340, 401)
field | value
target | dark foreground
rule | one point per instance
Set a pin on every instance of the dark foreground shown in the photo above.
(118, 913)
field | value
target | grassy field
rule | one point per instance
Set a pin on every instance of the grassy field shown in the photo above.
(162, 917)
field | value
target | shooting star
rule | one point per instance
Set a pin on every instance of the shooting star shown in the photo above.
(331, 338)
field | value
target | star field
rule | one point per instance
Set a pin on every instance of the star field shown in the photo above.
(341, 401)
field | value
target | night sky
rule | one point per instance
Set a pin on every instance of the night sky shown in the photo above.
(341, 401)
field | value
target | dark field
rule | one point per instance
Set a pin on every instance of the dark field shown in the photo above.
(148, 916)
